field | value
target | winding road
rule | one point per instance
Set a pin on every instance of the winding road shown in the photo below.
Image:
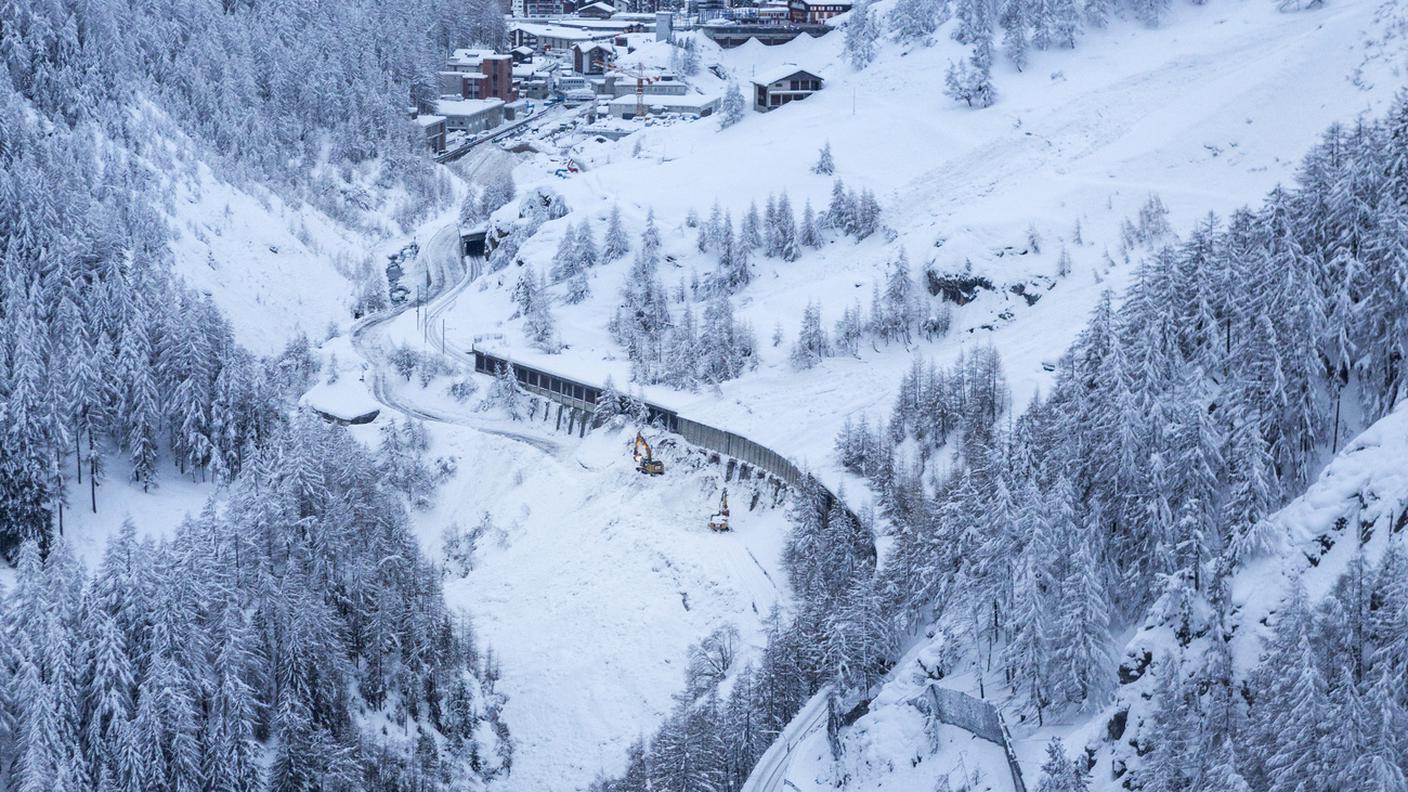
(368, 338)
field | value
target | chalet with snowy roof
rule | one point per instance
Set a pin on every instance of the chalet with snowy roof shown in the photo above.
(788, 83)
(597, 11)
(592, 58)
(802, 12)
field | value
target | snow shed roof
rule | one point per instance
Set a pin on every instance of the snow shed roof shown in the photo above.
(428, 120)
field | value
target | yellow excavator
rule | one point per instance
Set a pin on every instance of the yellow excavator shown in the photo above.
(719, 522)
(645, 459)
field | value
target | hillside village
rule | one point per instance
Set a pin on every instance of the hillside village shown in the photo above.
(610, 65)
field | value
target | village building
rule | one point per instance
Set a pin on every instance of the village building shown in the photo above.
(542, 8)
(592, 57)
(537, 80)
(470, 115)
(482, 74)
(433, 127)
(774, 88)
(597, 10)
(688, 104)
(705, 10)
(659, 86)
(541, 37)
(804, 12)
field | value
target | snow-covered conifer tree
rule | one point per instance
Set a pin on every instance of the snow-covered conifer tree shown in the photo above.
(568, 259)
(586, 245)
(733, 106)
(497, 193)
(811, 345)
(866, 217)
(538, 323)
(1015, 19)
(1150, 12)
(808, 235)
(849, 330)
(839, 213)
(578, 289)
(1097, 12)
(916, 20)
(525, 291)
(786, 230)
(750, 230)
(650, 237)
(616, 244)
(1065, 22)
(140, 411)
(862, 35)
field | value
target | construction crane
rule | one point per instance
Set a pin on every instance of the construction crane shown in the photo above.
(719, 522)
(642, 79)
(645, 459)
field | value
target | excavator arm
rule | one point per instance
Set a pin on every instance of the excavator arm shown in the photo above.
(645, 458)
(719, 522)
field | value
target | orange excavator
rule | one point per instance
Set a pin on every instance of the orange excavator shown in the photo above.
(645, 459)
(719, 522)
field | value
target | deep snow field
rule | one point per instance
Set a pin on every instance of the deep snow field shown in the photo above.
(596, 579)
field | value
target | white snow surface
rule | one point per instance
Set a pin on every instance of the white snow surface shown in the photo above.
(581, 590)
(1209, 111)
(596, 579)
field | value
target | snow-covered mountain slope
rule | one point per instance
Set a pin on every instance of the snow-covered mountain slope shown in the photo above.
(1363, 491)
(276, 266)
(595, 580)
(1209, 112)
(590, 581)
(273, 269)
(592, 585)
